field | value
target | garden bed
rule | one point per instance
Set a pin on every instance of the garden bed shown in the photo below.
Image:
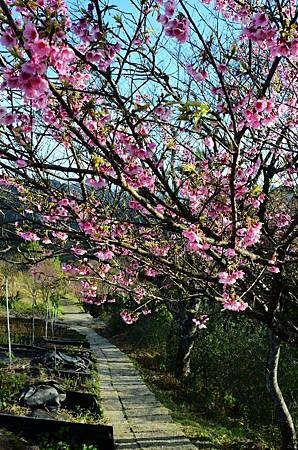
(73, 434)
(65, 361)
(21, 333)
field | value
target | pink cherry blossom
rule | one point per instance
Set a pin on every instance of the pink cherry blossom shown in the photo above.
(40, 48)
(230, 252)
(201, 321)
(208, 141)
(30, 33)
(28, 235)
(4, 181)
(230, 278)
(146, 311)
(21, 163)
(96, 183)
(260, 105)
(151, 272)
(128, 317)
(78, 251)
(8, 38)
(222, 68)
(250, 235)
(191, 235)
(60, 235)
(260, 20)
(273, 269)
(198, 75)
(105, 268)
(178, 28)
(234, 305)
(170, 7)
(163, 19)
(163, 112)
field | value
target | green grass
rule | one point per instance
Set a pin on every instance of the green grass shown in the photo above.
(220, 430)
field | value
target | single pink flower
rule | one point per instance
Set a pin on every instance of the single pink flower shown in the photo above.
(146, 311)
(222, 68)
(21, 163)
(170, 7)
(201, 321)
(230, 252)
(191, 235)
(30, 32)
(8, 38)
(273, 269)
(151, 272)
(260, 20)
(260, 105)
(78, 251)
(208, 141)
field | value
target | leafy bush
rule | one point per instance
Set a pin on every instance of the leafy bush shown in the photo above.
(228, 370)
(150, 331)
(228, 363)
(13, 300)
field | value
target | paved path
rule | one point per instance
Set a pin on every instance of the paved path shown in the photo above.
(139, 420)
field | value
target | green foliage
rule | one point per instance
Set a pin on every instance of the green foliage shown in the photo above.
(228, 370)
(13, 300)
(227, 383)
(46, 288)
(149, 331)
(47, 442)
(10, 387)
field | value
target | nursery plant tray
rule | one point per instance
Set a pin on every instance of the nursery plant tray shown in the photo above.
(83, 399)
(99, 435)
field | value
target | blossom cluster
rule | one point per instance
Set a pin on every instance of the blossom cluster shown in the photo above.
(177, 27)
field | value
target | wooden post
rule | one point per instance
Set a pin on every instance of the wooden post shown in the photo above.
(8, 322)
(33, 315)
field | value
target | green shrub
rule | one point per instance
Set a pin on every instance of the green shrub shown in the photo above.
(228, 363)
(13, 300)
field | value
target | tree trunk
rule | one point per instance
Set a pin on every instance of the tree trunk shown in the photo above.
(187, 330)
(285, 420)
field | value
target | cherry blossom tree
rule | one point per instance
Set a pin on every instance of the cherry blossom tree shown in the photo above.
(47, 278)
(157, 148)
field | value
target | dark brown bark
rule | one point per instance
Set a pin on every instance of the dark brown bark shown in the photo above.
(287, 428)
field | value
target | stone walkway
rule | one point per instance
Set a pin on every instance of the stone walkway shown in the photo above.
(139, 420)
